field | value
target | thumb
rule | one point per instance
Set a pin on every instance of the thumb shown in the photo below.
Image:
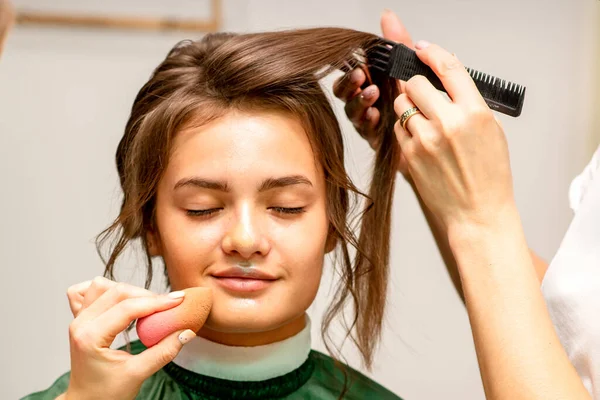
(154, 358)
(393, 29)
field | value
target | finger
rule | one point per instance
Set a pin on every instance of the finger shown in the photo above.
(424, 95)
(110, 298)
(456, 79)
(404, 138)
(415, 124)
(75, 294)
(98, 287)
(346, 87)
(369, 128)
(154, 358)
(403, 165)
(7, 19)
(402, 86)
(116, 319)
(498, 121)
(393, 29)
(357, 107)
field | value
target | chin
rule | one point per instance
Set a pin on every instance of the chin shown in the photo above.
(231, 314)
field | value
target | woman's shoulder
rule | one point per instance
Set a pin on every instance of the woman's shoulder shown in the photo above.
(332, 374)
(327, 381)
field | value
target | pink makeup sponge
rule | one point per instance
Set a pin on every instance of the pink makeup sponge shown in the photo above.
(190, 314)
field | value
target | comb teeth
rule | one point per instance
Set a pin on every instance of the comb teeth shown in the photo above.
(400, 62)
(500, 95)
(380, 57)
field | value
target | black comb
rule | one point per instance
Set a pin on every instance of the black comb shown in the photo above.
(400, 62)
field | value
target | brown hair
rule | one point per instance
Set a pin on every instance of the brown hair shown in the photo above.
(202, 80)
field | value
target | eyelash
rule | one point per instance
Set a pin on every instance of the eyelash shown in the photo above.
(202, 213)
(282, 210)
(286, 210)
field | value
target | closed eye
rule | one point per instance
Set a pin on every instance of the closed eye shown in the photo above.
(288, 210)
(202, 213)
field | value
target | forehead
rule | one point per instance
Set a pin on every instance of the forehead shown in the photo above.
(242, 143)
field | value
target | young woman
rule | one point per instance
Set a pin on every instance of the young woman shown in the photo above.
(232, 170)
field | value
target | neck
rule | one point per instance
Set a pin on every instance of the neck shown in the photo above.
(251, 339)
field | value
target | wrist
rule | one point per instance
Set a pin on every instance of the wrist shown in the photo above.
(502, 219)
(474, 239)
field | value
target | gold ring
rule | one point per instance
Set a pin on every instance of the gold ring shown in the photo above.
(407, 114)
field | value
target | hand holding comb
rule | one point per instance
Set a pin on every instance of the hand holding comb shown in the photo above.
(400, 62)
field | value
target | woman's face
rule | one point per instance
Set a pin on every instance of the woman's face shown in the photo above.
(241, 209)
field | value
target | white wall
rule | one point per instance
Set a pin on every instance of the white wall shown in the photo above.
(65, 96)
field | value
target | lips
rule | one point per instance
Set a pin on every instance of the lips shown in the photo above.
(244, 279)
(244, 272)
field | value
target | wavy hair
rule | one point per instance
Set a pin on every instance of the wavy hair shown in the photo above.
(202, 80)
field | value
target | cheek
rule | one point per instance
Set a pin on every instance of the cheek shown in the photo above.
(302, 244)
(186, 244)
(310, 231)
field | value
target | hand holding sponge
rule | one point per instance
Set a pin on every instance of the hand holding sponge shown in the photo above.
(190, 314)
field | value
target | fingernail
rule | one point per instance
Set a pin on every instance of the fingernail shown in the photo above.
(176, 295)
(369, 92)
(387, 11)
(186, 336)
(369, 113)
(422, 44)
(355, 76)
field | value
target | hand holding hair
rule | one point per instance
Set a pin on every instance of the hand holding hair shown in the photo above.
(360, 102)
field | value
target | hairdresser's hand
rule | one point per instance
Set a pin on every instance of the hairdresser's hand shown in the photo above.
(7, 19)
(359, 103)
(102, 309)
(456, 150)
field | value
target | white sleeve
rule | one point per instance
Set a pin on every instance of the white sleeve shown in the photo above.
(581, 183)
(571, 285)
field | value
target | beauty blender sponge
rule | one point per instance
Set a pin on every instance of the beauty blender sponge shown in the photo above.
(190, 314)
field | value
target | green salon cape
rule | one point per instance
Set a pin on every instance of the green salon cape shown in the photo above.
(318, 378)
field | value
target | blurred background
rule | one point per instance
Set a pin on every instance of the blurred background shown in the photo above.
(66, 91)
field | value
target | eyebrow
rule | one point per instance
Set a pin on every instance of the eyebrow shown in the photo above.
(222, 186)
(273, 183)
(202, 183)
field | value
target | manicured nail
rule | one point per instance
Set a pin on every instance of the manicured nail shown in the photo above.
(355, 76)
(176, 295)
(369, 92)
(370, 113)
(422, 44)
(186, 336)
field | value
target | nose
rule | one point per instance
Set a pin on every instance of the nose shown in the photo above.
(245, 237)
